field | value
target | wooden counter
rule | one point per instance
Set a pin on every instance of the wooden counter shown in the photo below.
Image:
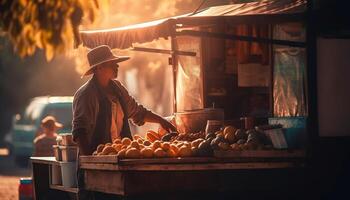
(178, 178)
(41, 181)
(130, 177)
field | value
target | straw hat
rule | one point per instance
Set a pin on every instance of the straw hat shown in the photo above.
(102, 54)
(51, 122)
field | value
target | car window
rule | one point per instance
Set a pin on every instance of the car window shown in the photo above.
(31, 113)
(62, 112)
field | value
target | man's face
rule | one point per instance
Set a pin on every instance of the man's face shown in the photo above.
(109, 70)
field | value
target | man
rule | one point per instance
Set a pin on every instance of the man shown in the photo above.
(43, 143)
(102, 106)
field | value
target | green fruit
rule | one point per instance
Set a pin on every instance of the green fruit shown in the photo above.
(220, 137)
(224, 146)
(204, 145)
(204, 148)
(240, 134)
(210, 135)
(214, 143)
(167, 137)
(241, 141)
(236, 147)
(195, 151)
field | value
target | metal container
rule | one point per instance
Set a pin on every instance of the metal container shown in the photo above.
(196, 120)
(67, 139)
(56, 175)
(69, 153)
(68, 170)
(57, 152)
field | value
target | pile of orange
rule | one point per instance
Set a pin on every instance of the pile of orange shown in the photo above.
(149, 147)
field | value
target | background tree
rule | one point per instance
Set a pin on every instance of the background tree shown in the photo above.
(38, 31)
(45, 24)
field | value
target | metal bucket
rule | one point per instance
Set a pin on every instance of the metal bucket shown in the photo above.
(196, 120)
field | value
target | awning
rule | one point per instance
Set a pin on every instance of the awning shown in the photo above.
(255, 8)
(124, 37)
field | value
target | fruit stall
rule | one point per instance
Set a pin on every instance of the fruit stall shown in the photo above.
(241, 108)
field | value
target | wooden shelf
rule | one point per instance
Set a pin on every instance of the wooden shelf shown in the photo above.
(60, 187)
(44, 160)
(267, 159)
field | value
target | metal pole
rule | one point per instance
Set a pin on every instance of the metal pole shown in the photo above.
(174, 66)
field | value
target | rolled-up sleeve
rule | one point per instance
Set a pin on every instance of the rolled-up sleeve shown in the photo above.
(135, 110)
(83, 115)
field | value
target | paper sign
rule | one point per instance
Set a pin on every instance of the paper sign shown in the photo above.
(277, 138)
(253, 75)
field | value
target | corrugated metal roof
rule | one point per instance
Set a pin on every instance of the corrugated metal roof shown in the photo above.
(124, 37)
(255, 8)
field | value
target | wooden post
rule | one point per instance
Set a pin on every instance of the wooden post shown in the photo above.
(311, 70)
(174, 64)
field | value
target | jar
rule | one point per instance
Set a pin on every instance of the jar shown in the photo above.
(248, 122)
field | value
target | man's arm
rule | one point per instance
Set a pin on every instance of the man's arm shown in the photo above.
(83, 143)
(83, 106)
(139, 114)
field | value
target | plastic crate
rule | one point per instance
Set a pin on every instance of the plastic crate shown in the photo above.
(294, 129)
(25, 188)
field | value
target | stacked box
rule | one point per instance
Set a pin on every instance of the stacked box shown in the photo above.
(294, 129)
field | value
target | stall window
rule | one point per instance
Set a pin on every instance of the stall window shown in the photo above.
(253, 71)
(289, 72)
(238, 73)
(189, 83)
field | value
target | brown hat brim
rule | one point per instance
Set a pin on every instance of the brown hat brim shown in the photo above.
(116, 59)
(58, 125)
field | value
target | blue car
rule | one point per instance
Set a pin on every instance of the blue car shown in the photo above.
(27, 125)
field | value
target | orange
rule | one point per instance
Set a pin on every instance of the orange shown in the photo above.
(136, 137)
(100, 148)
(135, 144)
(117, 147)
(117, 141)
(107, 150)
(185, 152)
(132, 153)
(157, 144)
(121, 153)
(160, 153)
(126, 141)
(140, 141)
(165, 146)
(147, 153)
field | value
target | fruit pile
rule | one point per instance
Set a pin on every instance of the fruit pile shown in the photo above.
(143, 148)
(231, 138)
(189, 136)
(170, 137)
(173, 145)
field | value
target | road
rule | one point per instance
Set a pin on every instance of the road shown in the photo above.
(9, 178)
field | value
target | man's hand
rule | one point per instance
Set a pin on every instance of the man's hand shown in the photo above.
(154, 118)
(169, 127)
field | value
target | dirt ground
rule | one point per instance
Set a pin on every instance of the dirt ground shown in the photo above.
(9, 178)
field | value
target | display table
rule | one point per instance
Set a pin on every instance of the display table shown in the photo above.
(175, 177)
